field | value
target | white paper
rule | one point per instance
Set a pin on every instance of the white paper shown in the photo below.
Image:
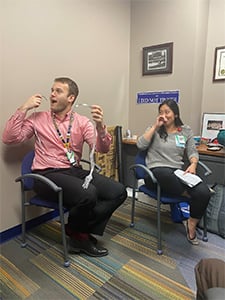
(188, 178)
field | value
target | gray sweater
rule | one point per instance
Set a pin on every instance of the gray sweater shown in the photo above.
(170, 152)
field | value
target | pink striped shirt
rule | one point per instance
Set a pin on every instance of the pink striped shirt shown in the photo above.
(49, 149)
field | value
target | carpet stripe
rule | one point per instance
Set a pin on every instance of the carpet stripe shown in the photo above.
(135, 281)
(159, 283)
(16, 280)
(144, 244)
(89, 267)
(63, 277)
(93, 272)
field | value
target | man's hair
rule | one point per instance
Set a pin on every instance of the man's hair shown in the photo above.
(73, 87)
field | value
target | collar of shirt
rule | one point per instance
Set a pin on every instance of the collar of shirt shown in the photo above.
(66, 118)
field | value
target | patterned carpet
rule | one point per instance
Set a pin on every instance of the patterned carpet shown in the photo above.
(132, 270)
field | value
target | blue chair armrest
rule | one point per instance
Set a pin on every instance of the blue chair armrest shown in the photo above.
(146, 171)
(50, 183)
(205, 168)
(97, 167)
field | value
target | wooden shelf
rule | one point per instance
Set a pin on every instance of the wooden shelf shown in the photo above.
(202, 149)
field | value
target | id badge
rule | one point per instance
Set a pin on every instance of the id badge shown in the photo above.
(71, 157)
(180, 141)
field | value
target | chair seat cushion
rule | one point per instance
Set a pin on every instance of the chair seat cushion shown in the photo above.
(164, 199)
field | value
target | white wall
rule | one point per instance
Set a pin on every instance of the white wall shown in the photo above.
(87, 40)
(213, 96)
(195, 27)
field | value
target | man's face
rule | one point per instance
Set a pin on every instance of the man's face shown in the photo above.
(59, 99)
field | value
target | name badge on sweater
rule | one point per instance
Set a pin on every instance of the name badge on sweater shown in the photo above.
(180, 141)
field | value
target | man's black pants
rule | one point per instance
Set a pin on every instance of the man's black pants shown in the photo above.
(89, 209)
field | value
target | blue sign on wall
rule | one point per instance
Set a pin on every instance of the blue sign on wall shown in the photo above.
(157, 97)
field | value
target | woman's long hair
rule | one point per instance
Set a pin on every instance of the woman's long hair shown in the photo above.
(178, 122)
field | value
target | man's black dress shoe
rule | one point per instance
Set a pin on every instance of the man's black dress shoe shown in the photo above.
(87, 247)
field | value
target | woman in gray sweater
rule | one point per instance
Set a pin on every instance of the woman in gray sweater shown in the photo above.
(167, 142)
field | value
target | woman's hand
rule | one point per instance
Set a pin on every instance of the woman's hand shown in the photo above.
(150, 132)
(191, 168)
(160, 120)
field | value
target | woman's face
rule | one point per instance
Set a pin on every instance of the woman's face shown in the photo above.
(168, 116)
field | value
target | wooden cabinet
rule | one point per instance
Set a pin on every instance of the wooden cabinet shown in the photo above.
(215, 160)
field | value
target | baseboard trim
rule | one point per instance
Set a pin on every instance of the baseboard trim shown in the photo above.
(15, 231)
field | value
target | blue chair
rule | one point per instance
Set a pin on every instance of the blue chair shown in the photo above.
(27, 182)
(140, 171)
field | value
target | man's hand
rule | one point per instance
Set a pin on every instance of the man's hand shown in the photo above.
(33, 102)
(97, 116)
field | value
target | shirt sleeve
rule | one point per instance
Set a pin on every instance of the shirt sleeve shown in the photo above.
(104, 140)
(101, 138)
(142, 143)
(18, 128)
(190, 145)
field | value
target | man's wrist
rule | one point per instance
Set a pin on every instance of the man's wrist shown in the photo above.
(101, 130)
(23, 108)
(101, 127)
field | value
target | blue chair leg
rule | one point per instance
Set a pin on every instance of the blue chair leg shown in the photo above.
(65, 249)
(132, 208)
(159, 248)
(23, 210)
(205, 237)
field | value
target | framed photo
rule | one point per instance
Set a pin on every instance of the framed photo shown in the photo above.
(157, 59)
(211, 124)
(219, 64)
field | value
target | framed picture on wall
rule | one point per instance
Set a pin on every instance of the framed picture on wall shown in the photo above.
(157, 59)
(219, 64)
(211, 124)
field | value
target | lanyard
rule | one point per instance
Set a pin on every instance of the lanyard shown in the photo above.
(70, 154)
(66, 143)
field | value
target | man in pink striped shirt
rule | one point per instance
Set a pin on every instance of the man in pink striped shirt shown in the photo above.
(59, 137)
